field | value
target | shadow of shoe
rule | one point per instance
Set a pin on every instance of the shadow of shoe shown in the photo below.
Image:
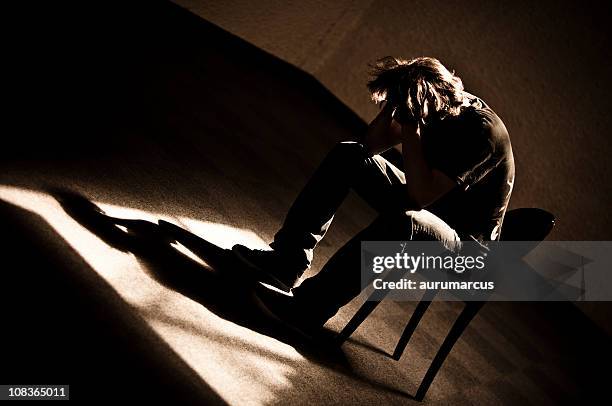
(93, 218)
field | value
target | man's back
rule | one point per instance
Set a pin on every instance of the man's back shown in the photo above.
(473, 149)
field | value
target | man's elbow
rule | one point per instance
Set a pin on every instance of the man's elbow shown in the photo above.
(421, 204)
(428, 192)
(417, 201)
(423, 197)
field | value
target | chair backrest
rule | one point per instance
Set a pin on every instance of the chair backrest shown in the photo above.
(527, 224)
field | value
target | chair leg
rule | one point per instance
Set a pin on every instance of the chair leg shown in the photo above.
(365, 309)
(468, 313)
(416, 317)
(363, 312)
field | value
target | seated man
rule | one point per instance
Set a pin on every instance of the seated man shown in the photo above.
(457, 177)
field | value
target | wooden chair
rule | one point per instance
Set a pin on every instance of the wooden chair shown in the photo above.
(525, 224)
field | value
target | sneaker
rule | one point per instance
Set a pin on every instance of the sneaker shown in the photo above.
(268, 266)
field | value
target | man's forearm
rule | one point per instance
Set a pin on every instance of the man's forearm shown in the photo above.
(418, 173)
(424, 184)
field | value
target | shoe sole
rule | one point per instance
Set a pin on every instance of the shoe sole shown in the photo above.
(266, 277)
(308, 333)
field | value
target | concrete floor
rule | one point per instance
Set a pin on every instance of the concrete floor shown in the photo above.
(165, 116)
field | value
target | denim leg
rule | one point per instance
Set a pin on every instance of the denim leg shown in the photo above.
(340, 279)
(347, 166)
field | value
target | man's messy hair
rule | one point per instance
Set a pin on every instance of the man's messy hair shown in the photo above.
(427, 88)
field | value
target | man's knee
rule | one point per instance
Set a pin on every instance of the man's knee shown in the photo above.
(428, 226)
(419, 217)
(419, 225)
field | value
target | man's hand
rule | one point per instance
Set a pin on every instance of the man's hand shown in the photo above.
(409, 129)
(383, 132)
(402, 115)
(408, 125)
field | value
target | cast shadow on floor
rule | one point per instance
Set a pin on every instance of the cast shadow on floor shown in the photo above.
(219, 284)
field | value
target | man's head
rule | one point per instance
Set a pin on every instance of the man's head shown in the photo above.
(422, 88)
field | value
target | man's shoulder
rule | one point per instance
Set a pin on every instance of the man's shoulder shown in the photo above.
(480, 117)
(476, 126)
(478, 112)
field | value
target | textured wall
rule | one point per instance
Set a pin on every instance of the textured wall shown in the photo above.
(539, 64)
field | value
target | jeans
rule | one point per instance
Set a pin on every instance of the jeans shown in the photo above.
(348, 166)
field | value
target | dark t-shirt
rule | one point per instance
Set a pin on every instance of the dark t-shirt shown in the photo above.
(473, 149)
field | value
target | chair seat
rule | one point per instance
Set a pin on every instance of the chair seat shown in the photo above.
(527, 224)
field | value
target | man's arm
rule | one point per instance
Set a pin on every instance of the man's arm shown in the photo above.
(424, 184)
(383, 132)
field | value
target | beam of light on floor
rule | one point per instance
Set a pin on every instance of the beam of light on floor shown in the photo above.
(187, 252)
(240, 364)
